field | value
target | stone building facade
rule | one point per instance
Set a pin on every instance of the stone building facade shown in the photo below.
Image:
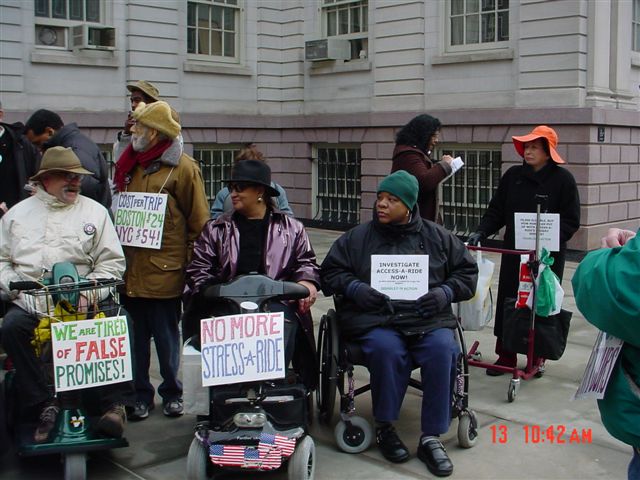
(238, 72)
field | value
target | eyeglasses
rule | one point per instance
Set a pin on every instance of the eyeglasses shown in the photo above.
(69, 176)
(238, 187)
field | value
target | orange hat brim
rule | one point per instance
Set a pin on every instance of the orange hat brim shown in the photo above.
(518, 143)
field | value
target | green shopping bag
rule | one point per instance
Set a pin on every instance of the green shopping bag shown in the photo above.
(549, 292)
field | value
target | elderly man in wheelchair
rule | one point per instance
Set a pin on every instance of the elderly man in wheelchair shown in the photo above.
(56, 225)
(397, 335)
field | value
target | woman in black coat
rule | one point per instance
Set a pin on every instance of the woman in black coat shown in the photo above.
(539, 174)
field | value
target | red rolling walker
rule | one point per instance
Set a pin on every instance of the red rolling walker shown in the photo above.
(532, 369)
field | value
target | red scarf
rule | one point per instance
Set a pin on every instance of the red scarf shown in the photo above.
(130, 158)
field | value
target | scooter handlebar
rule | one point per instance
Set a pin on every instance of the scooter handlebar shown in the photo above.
(293, 291)
(255, 288)
(24, 285)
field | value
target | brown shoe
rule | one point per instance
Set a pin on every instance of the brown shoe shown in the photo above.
(112, 422)
(47, 422)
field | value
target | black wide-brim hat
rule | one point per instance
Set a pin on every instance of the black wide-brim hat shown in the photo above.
(253, 171)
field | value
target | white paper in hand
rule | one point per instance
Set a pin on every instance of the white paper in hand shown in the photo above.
(456, 164)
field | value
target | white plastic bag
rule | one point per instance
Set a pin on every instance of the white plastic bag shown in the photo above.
(477, 312)
(196, 397)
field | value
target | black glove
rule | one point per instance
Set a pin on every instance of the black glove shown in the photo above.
(476, 238)
(366, 297)
(434, 301)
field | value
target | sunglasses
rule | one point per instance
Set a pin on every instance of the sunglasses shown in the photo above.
(238, 187)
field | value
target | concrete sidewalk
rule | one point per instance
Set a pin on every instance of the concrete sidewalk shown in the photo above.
(159, 445)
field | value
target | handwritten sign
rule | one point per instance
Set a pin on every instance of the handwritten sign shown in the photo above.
(600, 366)
(401, 277)
(139, 219)
(242, 348)
(89, 353)
(525, 230)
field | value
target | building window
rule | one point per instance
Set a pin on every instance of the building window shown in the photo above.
(466, 195)
(338, 186)
(215, 164)
(348, 19)
(212, 28)
(80, 10)
(72, 24)
(478, 22)
(635, 31)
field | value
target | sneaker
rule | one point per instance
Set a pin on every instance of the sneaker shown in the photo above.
(432, 453)
(173, 408)
(112, 422)
(140, 411)
(47, 422)
(390, 445)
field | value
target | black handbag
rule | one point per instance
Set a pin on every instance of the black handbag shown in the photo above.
(551, 332)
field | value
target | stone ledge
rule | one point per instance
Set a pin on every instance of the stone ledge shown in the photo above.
(487, 56)
(92, 58)
(204, 67)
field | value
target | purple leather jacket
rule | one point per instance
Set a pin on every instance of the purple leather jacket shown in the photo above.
(288, 253)
(289, 257)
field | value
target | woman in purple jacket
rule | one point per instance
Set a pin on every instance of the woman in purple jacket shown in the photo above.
(255, 237)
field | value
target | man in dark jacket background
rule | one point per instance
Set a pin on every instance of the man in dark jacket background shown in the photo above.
(19, 161)
(45, 129)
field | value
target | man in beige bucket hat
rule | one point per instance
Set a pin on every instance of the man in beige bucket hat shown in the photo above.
(55, 225)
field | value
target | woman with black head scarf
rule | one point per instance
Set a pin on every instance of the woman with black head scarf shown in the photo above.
(414, 145)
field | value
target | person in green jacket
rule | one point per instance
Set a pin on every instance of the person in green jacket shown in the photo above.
(606, 291)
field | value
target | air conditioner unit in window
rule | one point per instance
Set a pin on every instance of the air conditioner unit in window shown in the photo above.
(327, 49)
(95, 37)
(51, 36)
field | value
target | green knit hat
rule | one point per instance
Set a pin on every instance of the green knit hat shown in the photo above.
(403, 185)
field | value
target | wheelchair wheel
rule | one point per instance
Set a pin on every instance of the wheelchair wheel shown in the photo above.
(512, 391)
(197, 461)
(75, 466)
(302, 464)
(328, 364)
(353, 439)
(467, 429)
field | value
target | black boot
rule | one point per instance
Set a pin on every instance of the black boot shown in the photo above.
(505, 358)
(390, 444)
(432, 453)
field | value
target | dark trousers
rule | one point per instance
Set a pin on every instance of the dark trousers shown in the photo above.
(290, 328)
(17, 332)
(158, 318)
(390, 357)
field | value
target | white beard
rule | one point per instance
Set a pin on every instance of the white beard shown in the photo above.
(140, 143)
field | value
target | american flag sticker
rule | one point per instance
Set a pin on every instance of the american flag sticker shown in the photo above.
(252, 458)
(270, 441)
(269, 457)
(227, 455)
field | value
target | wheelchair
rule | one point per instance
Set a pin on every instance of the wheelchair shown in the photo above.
(74, 435)
(254, 425)
(337, 358)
